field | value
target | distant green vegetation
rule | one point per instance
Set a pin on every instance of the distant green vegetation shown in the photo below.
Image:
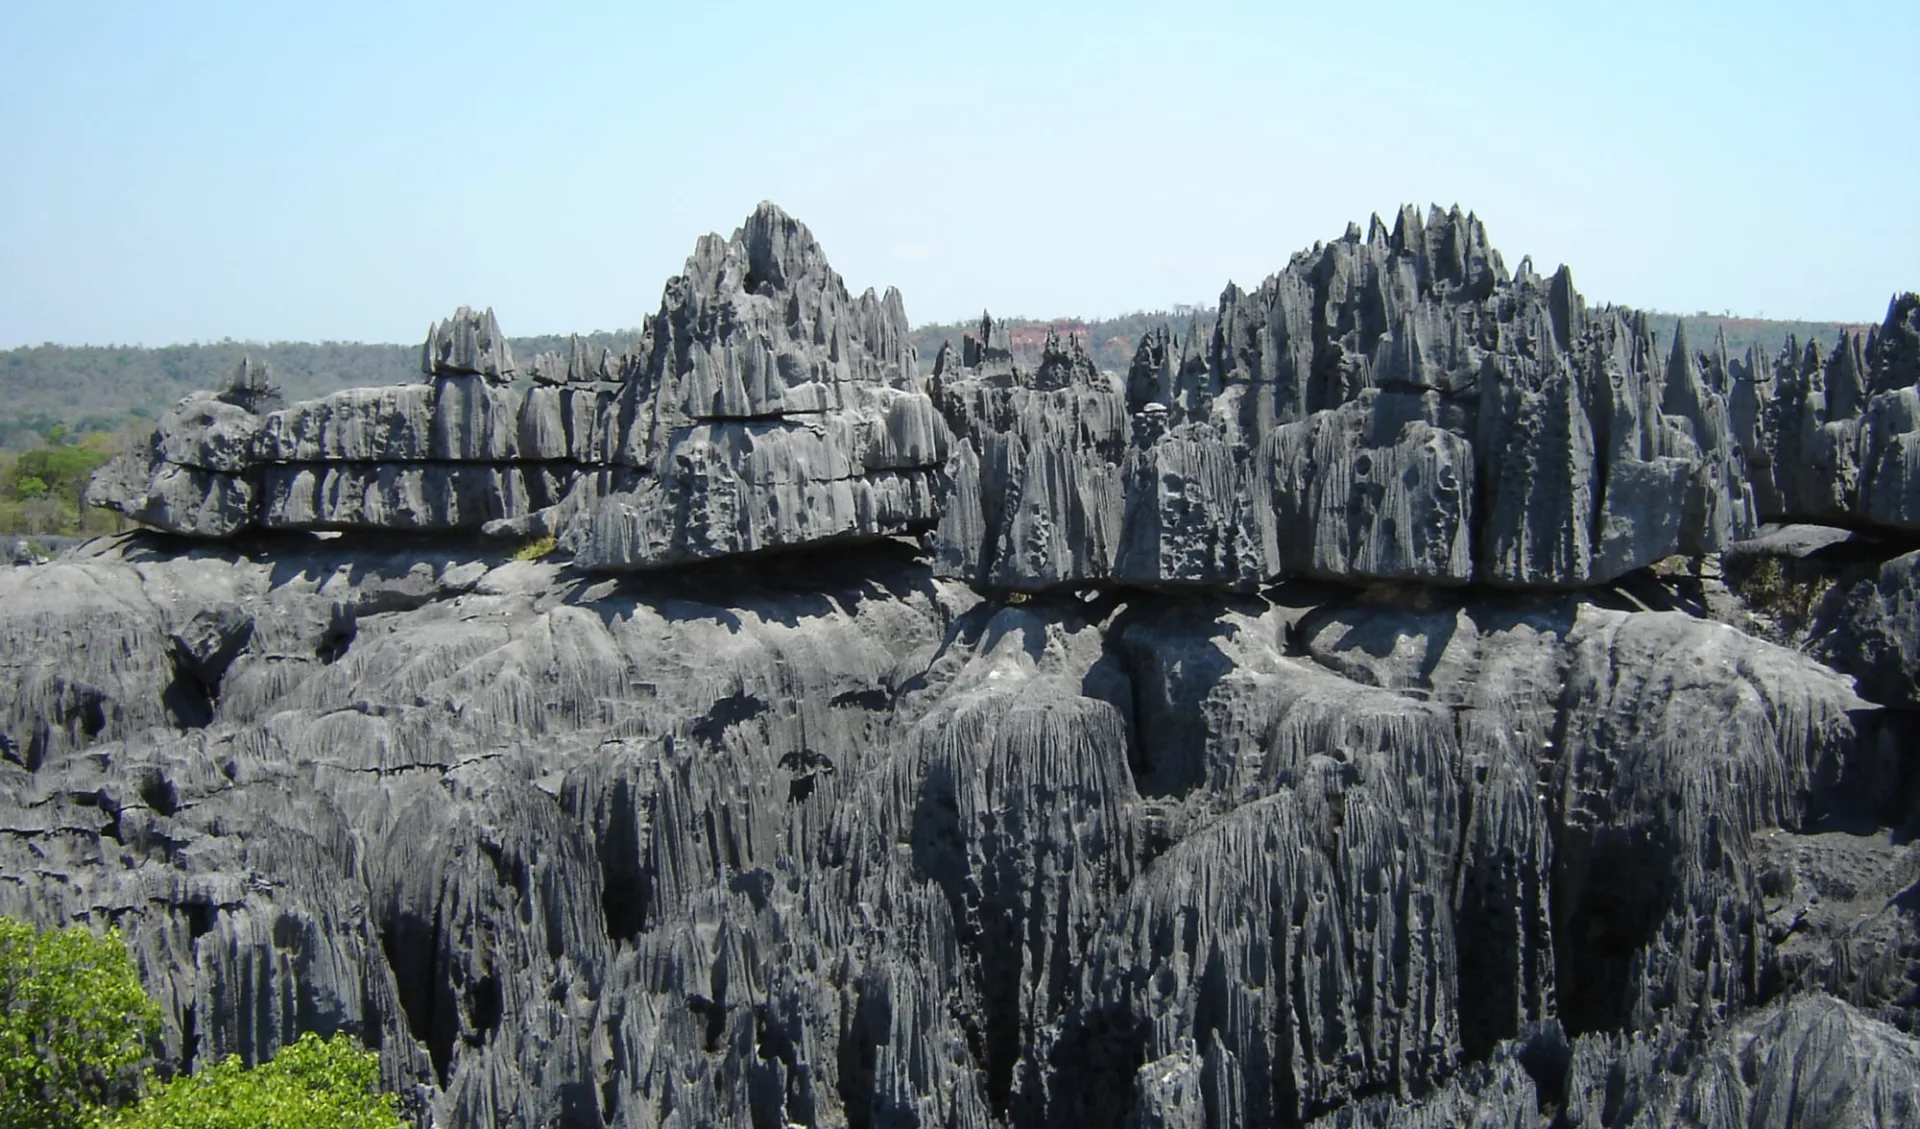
(41, 487)
(101, 389)
(1741, 333)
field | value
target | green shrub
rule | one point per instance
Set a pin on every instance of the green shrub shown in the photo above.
(75, 1028)
(314, 1083)
(1769, 590)
(74, 1024)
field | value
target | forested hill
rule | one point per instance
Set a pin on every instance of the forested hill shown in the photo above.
(105, 388)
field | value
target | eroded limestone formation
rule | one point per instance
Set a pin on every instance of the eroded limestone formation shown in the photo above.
(1288, 731)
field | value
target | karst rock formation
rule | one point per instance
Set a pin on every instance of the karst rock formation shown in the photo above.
(1409, 697)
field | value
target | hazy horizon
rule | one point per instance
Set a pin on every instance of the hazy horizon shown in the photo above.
(202, 172)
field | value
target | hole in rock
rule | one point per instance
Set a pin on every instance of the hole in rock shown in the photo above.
(716, 1016)
(1614, 915)
(807, 767)
(756, 884)
(189, 698)
(484, 1007)
(338, 637)
(410, 944)
(200, 917)
(91, 713)
(159, 794)
(189, 1037)
(1547, 1058)
(875, 699)
(289, 934)
(727, 712)
(626, 882)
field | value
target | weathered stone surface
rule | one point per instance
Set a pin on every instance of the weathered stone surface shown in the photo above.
(769, 409)
(1389, 407)
(1832, 437)
(1393, 406)
(1371, 489)
(468, 343)
(1069, 814)
(1874, 633)
(252, 388)
(833, 841)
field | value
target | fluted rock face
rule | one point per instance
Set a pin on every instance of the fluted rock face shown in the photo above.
(459, 453)
(1832, 437)
(1389, 407)
(768, 409)
(764, 408)
(837, 842)
(1875, 633)
(1287, 733)
(1038, 490)
(467, 344)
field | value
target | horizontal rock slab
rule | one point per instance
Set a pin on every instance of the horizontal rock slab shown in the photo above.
(403, 496)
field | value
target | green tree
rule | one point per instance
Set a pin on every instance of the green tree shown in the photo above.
(313, 1084)
(30, 488)
(75, 1027)
(74, 1024)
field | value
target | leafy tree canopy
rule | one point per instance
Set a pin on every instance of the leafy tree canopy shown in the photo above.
(313, 1084)
(74, 1024)
(75, 1032)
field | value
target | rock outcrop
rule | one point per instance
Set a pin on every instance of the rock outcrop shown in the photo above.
(467, 344)
(838, 842)
(1835, 438)
(763, 408)
(1289, 731)
(1393, 406)
(768, 409)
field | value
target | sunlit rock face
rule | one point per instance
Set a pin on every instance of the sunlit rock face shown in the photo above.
(1287, 731)
(1390, 406)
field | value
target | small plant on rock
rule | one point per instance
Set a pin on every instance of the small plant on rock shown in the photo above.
(536, 548)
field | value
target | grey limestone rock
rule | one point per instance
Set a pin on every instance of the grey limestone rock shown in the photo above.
(1287, 732)
(1874, 632)
(252, 387)
(830, 840)
(468, 343)
(1390, 406)
(769, 409)
(1832, 434)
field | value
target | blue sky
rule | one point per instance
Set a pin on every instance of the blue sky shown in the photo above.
(349, 171)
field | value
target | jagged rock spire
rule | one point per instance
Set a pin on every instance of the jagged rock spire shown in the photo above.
(469, 342)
